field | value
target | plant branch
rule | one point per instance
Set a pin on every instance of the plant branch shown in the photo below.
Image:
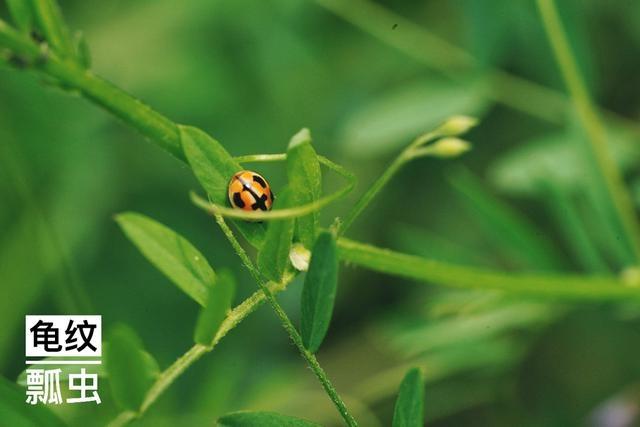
(169, 375)
(436, 53)
(572, 287)
(591, 122)
(288, 325)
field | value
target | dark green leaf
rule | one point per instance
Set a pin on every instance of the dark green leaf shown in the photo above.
(262, 419)
(214, 167)
(15, 412)
(218, 305)
(171, 253)
(305, 181)
(130, 374)
(409, 410)
(273, 257)
(319, 291)
(21, 14)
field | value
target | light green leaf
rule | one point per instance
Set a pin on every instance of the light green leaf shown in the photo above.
(51, 22)
(387, 123)
(130, 374)
(15, 412)
(305, 181)
(262, 419)
(319, 292)
(214, 167)
(218, 305)
(409, 410)
(171, 253)
(273, 257)
(21, 14)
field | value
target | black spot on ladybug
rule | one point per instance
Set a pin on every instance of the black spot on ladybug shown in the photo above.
(237, 200)
(260, 181)
(260, 203)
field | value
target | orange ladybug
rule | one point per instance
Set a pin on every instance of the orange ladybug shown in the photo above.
(249, 191)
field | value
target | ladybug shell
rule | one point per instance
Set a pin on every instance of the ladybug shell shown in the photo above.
(249, 191)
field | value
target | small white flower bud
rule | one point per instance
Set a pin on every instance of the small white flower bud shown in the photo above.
(299, 257)
(457, 125)
(449, 147)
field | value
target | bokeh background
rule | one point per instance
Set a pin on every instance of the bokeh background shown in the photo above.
(252, 73)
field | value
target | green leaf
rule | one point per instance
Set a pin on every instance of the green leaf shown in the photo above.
(130, 374)
(262, 419)
(82, 50)
(218, 305)
(15, 412)
(510, 231)
(387, 123)
(51, 22)
(21, 14)
(214, 167)
(171, 253)
(273, 257)
(319, 291)
(409, 410)
(305, 181)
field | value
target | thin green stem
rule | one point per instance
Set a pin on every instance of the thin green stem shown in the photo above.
(438, 54)
(166, 378)
(288, 325)
(572, 287)
(591, 122)
(69, 74)
(409, 153)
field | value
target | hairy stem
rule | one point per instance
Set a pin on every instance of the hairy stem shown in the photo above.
(166, 378)
(288, 325)
(591, 122)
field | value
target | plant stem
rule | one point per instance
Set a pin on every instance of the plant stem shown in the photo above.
(288, 325)
(166, 378)
(436, 53)
(573, 287)
(69, 74)
(591, 122)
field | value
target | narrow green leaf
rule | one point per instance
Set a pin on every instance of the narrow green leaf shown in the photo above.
(15, 412)
(218, 305)
(305, 181)
(510, 231)
(262, 419)
(273, 257)
(171, 253)
(82, 50)
(214, 167)
(409, 410)
(319, 291)
(21, 14)
(130, 374)
(50, 21)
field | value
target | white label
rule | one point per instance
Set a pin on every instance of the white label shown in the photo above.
(53, 336)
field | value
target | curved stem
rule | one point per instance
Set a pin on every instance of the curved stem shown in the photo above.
(288, 326)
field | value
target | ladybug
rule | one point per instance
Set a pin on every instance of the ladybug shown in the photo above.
(249, 191)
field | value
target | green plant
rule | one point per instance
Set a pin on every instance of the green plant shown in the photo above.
(295, 215)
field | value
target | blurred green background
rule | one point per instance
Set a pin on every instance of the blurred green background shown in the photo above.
(253, 73)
